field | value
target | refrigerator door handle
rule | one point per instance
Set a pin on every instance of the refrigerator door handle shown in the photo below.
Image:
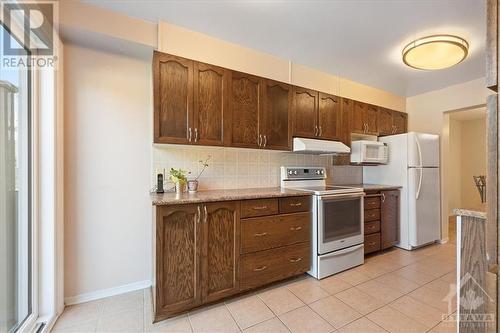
(420, 182)
(419, 151)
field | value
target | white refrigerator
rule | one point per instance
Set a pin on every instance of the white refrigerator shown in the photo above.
(413, 165)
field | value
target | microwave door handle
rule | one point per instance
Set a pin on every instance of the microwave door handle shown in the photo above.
(344, 251)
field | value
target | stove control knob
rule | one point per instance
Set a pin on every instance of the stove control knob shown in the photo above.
(317, 172)
(295, 172)
(322, 172)
(290, 172)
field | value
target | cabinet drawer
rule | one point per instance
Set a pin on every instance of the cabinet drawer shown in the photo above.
(260, 268)
(263, 233)
(259, 207)
(372, 243)
(372, 202)
(295, 204)
(372, 227)
(372, 215)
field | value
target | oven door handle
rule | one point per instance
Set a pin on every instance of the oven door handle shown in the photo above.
(344, 251)
(340, 196)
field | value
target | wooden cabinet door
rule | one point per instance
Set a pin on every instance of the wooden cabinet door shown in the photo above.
(400, 121)
(276, 116)
(221, 249)
(358, 124)
(385, 125)
(177, 259)
(173, 98)
(210, 103)
(389, 219)
(345, 127)
(370, 117)
(245, 103)
(329, 117)
(305, 112)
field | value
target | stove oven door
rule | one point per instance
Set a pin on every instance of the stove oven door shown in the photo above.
(340, 221)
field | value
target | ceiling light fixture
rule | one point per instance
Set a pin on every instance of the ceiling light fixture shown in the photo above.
(435, 52)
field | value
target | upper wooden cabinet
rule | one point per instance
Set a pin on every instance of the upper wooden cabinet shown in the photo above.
(364, 118)
(329, 117)
(245, 109)
(391, 122)
(173, 98)
(305, 110)
(276, 118)
(346, 110)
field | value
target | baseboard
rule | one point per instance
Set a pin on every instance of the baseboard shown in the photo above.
(86, 297)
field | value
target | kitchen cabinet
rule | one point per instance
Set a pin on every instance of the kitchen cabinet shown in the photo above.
(400, 122)
(205, 252)
(345, 120)
(329, 117)
(305, 112)
(364, 118)
(173, 98)
(276, 116)
(245, 105)
(391, 122)
(389, 219)
(221, 243)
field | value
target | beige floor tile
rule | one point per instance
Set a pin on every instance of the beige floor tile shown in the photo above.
(436, 267)
(85, 327)
(269, 326)
(305, 320)
(412, 273)
(120, 303)
(362, 325)
(308, 290)
(423, 313)
(435, 299)
(79, 313)
(178, 324)
(360, 301)
(395, 321)
(213, 319)
(397, 282)
(449, 278)
(381, 291)
(336, 312)
(445, 327)
(127, 321)
(249, 311)
(373, 269)
(334, 284)
(281, 300)
(353, 277)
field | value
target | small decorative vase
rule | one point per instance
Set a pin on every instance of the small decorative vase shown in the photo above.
(179, 188)
(192, 186)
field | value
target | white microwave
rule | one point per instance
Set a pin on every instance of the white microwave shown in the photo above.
(364, 151)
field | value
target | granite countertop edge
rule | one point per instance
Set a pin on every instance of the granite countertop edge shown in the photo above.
(470, 213)
(171, 198)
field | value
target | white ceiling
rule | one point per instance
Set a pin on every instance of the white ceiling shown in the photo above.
(358, 40)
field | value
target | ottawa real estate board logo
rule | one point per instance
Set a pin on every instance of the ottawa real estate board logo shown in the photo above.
(29, 32)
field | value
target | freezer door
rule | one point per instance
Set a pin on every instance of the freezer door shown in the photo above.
(423, 150)
(424, 212)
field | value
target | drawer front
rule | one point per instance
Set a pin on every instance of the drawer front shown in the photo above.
(263, 233)
(372, 215)
(372, 227)
(295, 204)
(372, 243)
(259, 207)
(372, 202)
(260, 268)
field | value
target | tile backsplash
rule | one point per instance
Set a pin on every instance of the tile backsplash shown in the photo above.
(231, 168)
(345, 174)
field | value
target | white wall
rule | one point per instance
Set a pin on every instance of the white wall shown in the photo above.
(426, 113)
(108, 135)
(455, 166)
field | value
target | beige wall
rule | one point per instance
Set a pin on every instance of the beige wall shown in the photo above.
(473, 160)
(426, 113)
(455, 166)
(107, 168)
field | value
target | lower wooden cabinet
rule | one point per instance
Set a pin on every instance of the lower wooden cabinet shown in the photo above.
(208, 251)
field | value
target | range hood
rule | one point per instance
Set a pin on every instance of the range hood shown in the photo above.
(319, 147)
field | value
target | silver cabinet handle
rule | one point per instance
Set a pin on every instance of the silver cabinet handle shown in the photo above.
(260, 234)
(261, 268)
(260, 140)
(259, 208)
(320, 131)
(205, 213)
(295, 228)
(198, 218)
(296, 204)
(196, 135)
(265, 141)
(315, 130)
(190, 134)
(383, 197)
(296, 259)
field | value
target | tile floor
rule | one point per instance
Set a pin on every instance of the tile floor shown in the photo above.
(397, 291)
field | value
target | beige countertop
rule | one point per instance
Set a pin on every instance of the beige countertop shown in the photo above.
(171, 198)
(479, 212)
(374, 187)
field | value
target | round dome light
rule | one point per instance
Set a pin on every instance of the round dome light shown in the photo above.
(435, 52)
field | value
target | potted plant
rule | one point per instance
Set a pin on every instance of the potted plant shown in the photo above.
(193, 184)
(179, 178)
